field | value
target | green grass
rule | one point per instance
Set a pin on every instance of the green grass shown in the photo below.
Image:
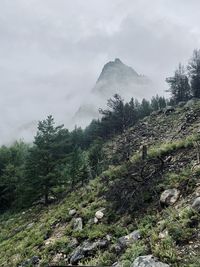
(19, 242)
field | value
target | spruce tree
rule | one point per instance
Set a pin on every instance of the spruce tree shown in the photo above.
(179, 85)
(45, 159)
(194, 73)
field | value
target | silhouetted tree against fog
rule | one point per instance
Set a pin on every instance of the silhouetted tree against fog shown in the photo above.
(179, 85)
(194, 73)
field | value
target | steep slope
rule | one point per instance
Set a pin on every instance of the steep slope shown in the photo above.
(126, 212)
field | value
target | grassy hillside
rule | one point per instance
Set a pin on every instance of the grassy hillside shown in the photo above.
(127, 196)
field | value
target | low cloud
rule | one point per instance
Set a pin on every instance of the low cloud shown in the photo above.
(52, 51)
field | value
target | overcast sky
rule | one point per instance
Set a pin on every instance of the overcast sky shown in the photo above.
(52, 51)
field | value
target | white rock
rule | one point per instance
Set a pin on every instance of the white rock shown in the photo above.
(99, 214)
(95, 220)
(163, 235)
(72, 212)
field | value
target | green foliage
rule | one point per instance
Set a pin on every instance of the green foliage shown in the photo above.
(164, 249)
(179, 85)
(105, 258)
(95, 157)
(45, 160)
(118, 116)
(131, 253)
(194, 73)
(12, 161)
(158, 102)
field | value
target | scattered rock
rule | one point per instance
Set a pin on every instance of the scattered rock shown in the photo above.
(95, 220)
(127, 240)
(163, 235)
(108, 237)
(196, 204)
(78, 224)
(87, 249)
(169, 196)
(72, 212)
(76, 256)
(99, 214)
(148, 261)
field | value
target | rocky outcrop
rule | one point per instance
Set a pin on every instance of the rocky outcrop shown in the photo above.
(148, 261)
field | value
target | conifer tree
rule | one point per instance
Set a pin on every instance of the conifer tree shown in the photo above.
(179, 85)
(194, 73)
(45, 158)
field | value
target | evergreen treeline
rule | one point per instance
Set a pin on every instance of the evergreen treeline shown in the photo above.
(59, 160)
(185, 84)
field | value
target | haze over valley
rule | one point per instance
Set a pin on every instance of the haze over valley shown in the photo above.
(52, 55)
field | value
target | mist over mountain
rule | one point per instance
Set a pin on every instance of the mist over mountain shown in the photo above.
(120, 78)
(115, 77)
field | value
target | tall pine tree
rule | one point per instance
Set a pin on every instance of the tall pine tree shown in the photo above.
(179, 85)
(45, 159)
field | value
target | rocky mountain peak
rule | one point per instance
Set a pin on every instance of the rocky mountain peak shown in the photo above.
(116, 71)
(117, 77)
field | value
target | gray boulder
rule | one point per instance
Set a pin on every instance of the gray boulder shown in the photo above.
(127, 240)
(76, 256)
(87, 249)
(196, 204)
(148, 261)
(169, 196)
(99, 214)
